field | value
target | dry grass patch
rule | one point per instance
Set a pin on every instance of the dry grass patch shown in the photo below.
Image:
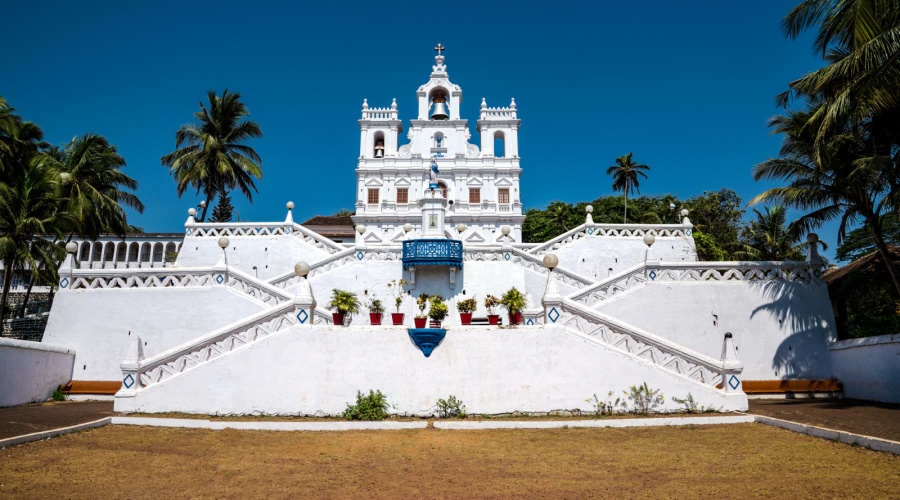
(746, 460)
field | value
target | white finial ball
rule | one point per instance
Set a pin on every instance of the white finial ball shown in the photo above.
(684, 212)
(301, 268)
(812, 238)
(461, 227)
(223, 242)
(71, 247)
(290, 205)
(649, 239)
(505, 230)
(361, 229)
(551, 261)
(589, 208)
(407, 227)
(192, 212)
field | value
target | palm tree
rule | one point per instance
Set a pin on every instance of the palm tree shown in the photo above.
(625, 174)
(210, 156)
(860, 41)
(770, 238)
(91, 181)
(828, 180)
(29, 211)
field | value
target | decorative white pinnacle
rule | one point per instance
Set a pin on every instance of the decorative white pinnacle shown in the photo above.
(483, 103)
(365, 104)
(394, 104)
(512, 105)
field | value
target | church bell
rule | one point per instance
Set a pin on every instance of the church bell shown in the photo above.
(440, 112)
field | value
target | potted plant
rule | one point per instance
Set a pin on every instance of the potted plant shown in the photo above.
(396, 289)
(491, 303)
(421, 303)
(342, 303)
(375, 311)
(438, 311)
(465, 308)
(514, 302)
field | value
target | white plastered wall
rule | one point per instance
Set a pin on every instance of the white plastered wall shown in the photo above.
(780, 329)
(594, 256)
(99, 324)
(868, 368)
(272, 255)
(30, 371)
(319, 371)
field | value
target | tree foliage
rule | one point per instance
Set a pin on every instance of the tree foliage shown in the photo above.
(223, 210)
(859, 242)
(626, 178)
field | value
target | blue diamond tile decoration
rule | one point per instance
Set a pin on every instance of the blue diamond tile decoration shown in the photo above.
(129, 381)
(64, 283)
(553, 315)
(687, 232)
(734, 382)
(817, 273)
(530, 321)
(287, 231)
(252, 292)
(302, 316)
(652, 275)
(506, 256)
(360, 255)
(220, 279)
(188, 232)
(590, 230)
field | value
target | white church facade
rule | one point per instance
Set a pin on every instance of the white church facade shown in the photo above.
(480, 185)
(239, 322)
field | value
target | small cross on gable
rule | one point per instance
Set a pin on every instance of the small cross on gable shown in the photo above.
(439, 48)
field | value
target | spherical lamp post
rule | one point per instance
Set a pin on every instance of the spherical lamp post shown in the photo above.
(551, 261)
(461, 228)
(302, 269)
(649, 239)
(71, 247)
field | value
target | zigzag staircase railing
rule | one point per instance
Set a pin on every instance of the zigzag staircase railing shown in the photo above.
(536, 264)
(737, 271)
(256, 289)
(111, 279)
(611, 287)
(237, 229)
(231, 338)
(339, 260)
(621, 337)
(610, 231)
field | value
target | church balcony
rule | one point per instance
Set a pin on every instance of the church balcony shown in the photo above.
(432, 252)
(504, 207)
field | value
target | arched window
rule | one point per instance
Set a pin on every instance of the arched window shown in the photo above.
(439, 140)
(443, 187)
(499, 145)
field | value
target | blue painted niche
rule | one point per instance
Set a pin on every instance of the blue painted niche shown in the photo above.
(426, 339)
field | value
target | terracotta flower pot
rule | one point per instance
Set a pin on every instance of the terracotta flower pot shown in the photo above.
(397, 318)
(375, 318)
(515, 318)
(420, 322)
(493, 319)
(465, 318)
(338, 318)
(434, 324)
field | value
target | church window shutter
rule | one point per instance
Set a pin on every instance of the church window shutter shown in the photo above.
(474, 195)
(373, 196)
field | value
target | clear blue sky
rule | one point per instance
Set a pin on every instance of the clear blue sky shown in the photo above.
(686, 86)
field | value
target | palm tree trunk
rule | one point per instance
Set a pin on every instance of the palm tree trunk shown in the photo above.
(625, 219)
(7, 281)
(878, 236)
(27, 296)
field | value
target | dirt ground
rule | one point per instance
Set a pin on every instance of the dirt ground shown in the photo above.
(740, 461)
(26, 419)
(860, 417)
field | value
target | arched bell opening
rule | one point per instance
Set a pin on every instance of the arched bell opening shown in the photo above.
(499, 145)
(443, 187)
(439, 105)
(378, 151)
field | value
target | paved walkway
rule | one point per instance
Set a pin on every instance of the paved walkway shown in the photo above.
(868, 418)
(19, 420)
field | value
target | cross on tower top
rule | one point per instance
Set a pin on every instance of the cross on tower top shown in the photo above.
(439, 48)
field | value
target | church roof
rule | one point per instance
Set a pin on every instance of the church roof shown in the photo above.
(329, 220)
(871, 262)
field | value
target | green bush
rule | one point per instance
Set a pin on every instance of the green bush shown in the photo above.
(371, 407)
(58, 394)
(513, 300)
(451, 407)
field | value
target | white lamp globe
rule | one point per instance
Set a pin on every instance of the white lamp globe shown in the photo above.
(684, 212)
(290, 205)
(671, 206)
(589, 208)
(361, 229)
(812, 238)
(202, 204)
(461, 227)
(192, 212)
(407, 227)
(649, 239)
(301, 268)
(505, 230)
(551, 261)
(223, 242)
(71, 247)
